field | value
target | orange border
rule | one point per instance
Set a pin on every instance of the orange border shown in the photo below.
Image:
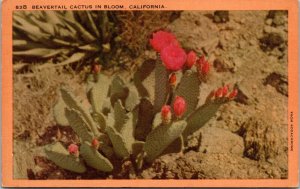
(7, 116)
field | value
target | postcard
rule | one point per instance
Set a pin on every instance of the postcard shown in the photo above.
(147, 93)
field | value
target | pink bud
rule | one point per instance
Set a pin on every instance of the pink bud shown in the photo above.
(233, 94)
(95, 143)
(96, 68)
(179, 106)
(225, 90)
(191, 59)
(166, 114)
(203, 66)
(172, 79)
(73, 149)
(219, 92)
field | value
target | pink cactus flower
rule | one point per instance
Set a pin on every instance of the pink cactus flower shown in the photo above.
(166, 114)
(173, 57)
(95, 143)
(162, 39)
(73, 149)
(233, 94)
(191, 59)
(179, 106)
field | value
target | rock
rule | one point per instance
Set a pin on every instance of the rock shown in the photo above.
(270, 41)
(268, 21)
(201, 39)
(221, 16)
(260, 138)
(279, 81)
(216, 140)
(279, 17)
(221, 65)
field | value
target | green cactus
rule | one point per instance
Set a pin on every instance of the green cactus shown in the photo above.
(94, 159)
(61, 157)
(127, 120)
(99, 92)
(188, 88)
(79, 125)
(73, 103)
(59, 112)
(199, 117)
(161, 137)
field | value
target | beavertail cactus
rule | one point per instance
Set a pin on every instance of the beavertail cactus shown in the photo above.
(138, 118)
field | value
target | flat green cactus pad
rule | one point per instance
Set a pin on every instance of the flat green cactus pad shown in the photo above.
(118, 142)
(188, 88)
(79, 125)
(202, 115)
(161, 137)
(60, 156)
(59, 113)
(73, 103)
(94, 159)
(99, 92)
(145, 117)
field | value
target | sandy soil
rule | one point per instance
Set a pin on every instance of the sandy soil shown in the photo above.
(246, 139)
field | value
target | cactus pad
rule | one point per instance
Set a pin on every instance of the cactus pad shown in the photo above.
(59, 113)
(188, 88)
(99, 92)
(79, 125)
(94, 159)
(118, 142)
(61, 157)
(202, 115)
(161, 137)
(73, 103)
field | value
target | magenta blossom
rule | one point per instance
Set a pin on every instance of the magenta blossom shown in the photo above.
(162, 39)
(173, 57)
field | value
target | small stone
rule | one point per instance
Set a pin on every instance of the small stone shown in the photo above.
(221, 16)
(268, 29)
(269, 21)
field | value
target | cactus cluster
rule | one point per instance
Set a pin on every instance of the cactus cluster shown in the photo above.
(65, 37)
(137, 118)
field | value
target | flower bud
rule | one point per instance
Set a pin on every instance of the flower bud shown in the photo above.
(233, 94)
(96, 68)
(219, 92)
(191, 59)
(166, 114)
(203, 66)
(172, 79)
(179, 106)
(73, 149)
(225, 90)
(95, 143)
